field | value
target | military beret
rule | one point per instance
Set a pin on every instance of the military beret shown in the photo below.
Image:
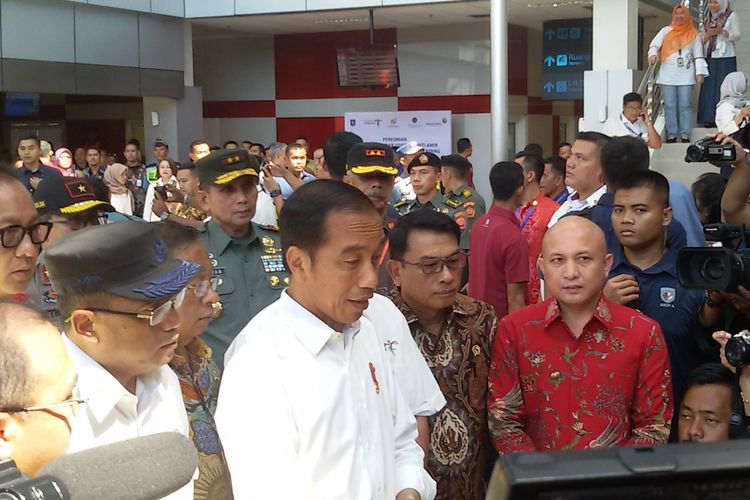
(424, 160)
(456, 161)
(128, 259)
(225, 165)
(369, 157)
(66, 195)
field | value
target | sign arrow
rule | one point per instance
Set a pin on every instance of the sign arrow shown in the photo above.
(549, 87)
(549, 34)
(549, 61)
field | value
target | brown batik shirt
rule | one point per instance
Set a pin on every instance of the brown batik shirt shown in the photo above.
(461, 453)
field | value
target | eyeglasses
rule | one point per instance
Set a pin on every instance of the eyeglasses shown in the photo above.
(201, 288)
(74, 405)
(155, 317)
(12, 236)
(434, 265)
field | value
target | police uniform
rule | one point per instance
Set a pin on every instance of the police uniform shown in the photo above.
(437, 202)
(251, 269)
(368, 158)
(465, 204)
(59, 196)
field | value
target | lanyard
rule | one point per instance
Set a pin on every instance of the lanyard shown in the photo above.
(562, 197)
(626, 123)
(526, 217)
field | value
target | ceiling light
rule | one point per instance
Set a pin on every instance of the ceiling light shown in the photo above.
(341, 20)
(561, 3)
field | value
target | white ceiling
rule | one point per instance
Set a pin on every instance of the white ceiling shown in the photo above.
(529, 13)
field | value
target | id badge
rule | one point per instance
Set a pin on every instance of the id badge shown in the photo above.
(680, 62)
(138, 183)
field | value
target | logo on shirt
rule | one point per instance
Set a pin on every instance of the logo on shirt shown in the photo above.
(390, 346)
(667, 295)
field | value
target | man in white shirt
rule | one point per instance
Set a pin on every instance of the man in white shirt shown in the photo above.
(118, 291)
(634, 121)
(308, 406)
(583, 173)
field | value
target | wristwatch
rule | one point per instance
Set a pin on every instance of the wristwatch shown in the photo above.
(275, 193)
(164, 216)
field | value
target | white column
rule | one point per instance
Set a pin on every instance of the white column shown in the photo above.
(187, 44)
(615, 34)
(499, 81)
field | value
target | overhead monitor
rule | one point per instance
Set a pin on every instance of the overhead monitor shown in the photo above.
(368, 66)
(21, 104)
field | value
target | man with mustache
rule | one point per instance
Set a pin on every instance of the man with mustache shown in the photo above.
(333, 417)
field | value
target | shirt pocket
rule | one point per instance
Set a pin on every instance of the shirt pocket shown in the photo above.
(226, 285)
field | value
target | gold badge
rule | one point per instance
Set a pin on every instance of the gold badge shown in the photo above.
(274, 281)
(286, 280)
(476, 350)
(467, 193)
(267, 242)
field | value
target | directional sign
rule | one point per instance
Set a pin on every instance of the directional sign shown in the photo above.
(566, 54)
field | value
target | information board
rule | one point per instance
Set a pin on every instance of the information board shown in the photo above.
(566, 53)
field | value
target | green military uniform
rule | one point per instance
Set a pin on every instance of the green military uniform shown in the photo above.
(465, 204)
(251, 274)
(405, 206)
(251, 268)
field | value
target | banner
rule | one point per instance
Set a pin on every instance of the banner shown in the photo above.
(431, 129)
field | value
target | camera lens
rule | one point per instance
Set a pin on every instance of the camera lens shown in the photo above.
(694, 153)
(713, 269)
(737, 351)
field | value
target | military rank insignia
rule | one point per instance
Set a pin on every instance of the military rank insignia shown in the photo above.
(273, 263)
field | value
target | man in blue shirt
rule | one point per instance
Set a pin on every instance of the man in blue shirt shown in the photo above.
(32, 172)
(643, 273)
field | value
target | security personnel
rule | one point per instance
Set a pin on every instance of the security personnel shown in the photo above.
(246, 257)
(161, 152)
(466, 203)
(424, 171)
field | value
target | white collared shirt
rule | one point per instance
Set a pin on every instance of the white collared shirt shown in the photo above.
(113, 414)
(622, 127)
(415, 379)
(571, 205)
(307, 412)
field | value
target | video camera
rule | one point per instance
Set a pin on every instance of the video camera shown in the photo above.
(13, 486)
(718, 268)
(707, 150)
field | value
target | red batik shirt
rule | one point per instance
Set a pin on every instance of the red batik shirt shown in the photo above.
(534, 217)
(550, 391)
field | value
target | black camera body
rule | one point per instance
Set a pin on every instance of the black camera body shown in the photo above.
(737, 350)
(717, 268)
(13, 486)
(708, 150)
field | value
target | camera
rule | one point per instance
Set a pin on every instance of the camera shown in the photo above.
(720, 268)
(707, 150)
(13, 486)
(737, 350)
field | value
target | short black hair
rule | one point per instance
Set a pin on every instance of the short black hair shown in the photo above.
(134, 142)
(557, 163)
(302, 222)
(533, 163)
(505, 178)
(230, 142)
(247, 142)
(708, 374)
(621, 157)
(260, 146)
(648, 179)
(420, 220)
(534, 148)
(564, 144)
(707, 191)
(294, 145)
(30, 138)
(597, 138)
(632, 97)
(303, 138)
(463, 144)
(336, 150)
(198, 142)
(177, 236)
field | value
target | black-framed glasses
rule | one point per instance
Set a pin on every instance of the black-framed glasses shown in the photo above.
(434, 265)
(74, 405)
(201, 288)
(12, 236)
(155, 317)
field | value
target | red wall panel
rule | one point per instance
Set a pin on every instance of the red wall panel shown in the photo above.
(239, 109)
(518, 60)
(457, 104)
(316, 130)
(306, 64)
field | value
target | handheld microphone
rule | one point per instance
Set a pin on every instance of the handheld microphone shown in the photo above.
(143, 468)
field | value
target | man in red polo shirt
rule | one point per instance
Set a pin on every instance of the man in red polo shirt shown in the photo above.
(498, 260)
(578, 371)
(534, 214)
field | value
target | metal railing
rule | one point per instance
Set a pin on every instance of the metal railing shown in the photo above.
(651, 92)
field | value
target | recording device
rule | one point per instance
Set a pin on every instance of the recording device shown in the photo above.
(162, 192)
(143, 468)
(688, 471)
(721, 268)
(709, 150)
(737, 350)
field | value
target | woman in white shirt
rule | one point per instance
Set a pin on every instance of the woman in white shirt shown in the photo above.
(167, 170)
(680, 50)
(120, 197)
(733, 110)
(720, 30)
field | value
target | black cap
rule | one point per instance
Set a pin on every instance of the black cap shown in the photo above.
(369, 157)
(128, 259)
(66, 195)
(424, 160)
(455, 161)
(225, 165)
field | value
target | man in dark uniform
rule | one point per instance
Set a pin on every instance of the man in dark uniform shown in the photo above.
(161, 152)
(246, 257)
(424, 171)
(470, 205)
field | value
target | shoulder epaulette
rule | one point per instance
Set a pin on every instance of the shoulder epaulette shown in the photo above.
(451, 203)
(400, 203)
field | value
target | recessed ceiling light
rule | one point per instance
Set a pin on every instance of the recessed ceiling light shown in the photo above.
(341, 20)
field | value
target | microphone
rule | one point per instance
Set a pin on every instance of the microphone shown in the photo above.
(144, 468)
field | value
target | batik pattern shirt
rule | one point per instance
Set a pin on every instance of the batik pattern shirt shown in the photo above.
(552, 391)
(461, 454)
(199, 382)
